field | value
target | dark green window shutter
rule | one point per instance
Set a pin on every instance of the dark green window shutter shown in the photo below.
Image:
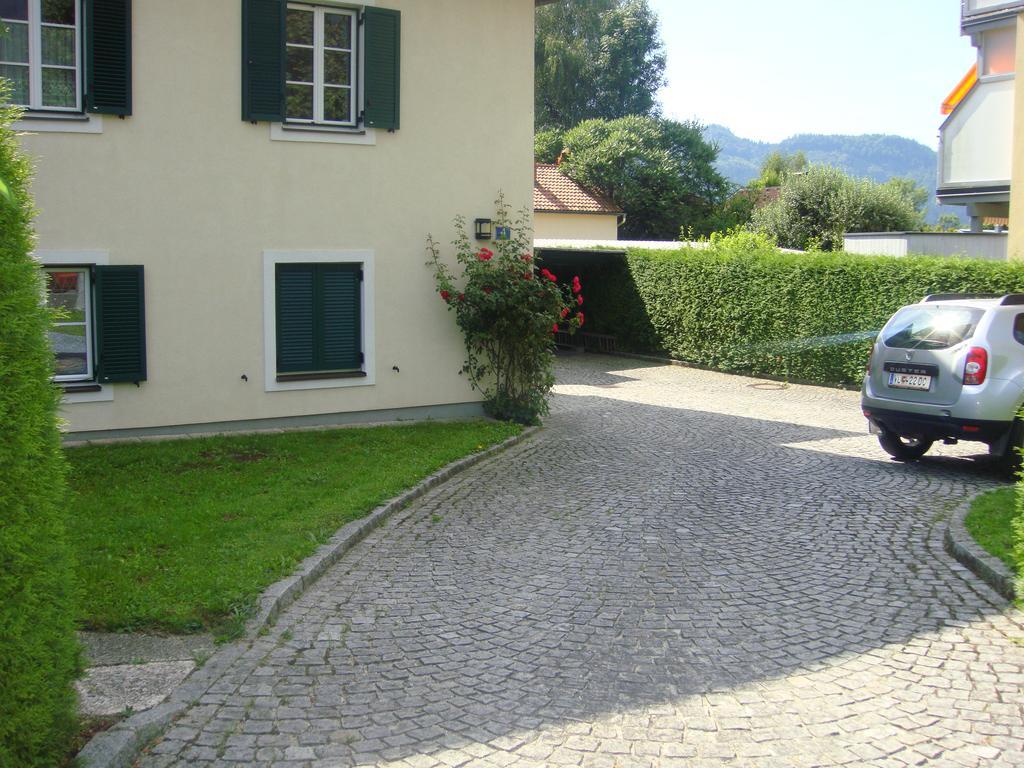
(120, 324)
(341, 346)
(383, 35)
(263, 57)
(108, 56)
(296, 326)
(318, 317)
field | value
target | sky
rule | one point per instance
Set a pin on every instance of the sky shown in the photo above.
(769, 70)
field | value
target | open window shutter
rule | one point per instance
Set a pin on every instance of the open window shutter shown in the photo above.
(120, 324)
(296, 318)
(341, 346)
(108, 56)
(382, 33)
(263, 57)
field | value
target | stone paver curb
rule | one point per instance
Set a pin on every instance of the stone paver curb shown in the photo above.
(119, 746)
(989, 568)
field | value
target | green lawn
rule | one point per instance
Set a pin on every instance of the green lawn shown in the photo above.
(182, 535)
(990, 523)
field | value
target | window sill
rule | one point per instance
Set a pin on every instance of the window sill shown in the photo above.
(322, 134)
(85, 392)
(59, 122)
(286, 377)
(75, 389)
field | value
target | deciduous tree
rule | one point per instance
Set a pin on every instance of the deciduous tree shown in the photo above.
(596, 59)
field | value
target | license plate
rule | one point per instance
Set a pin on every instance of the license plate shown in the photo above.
(909, 381)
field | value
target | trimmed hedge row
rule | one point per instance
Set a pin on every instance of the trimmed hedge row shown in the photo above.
(742, 305)
(39, 654)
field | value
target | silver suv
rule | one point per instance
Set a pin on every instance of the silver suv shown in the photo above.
(950, 368)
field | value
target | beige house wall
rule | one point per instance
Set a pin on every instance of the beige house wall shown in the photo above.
(575, 226)
(1016, 236)
(196, 195)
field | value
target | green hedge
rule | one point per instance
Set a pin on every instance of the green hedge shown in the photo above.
(742, 305)
(39, 654)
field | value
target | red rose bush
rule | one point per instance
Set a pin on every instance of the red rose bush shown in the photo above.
(507, 317)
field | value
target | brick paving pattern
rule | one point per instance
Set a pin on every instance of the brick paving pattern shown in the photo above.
(683, 569)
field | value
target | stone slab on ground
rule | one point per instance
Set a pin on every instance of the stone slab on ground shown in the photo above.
(125, 688)
(131, 672)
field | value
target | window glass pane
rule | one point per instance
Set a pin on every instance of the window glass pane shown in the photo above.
(300, 27)
(931, 327)
(337, 68)
(66, 291)
(59, 46)
(59, 12)
(337, 104)
(59, 87)
(14, 9)
(71, 350)
(337, 30)
(14, 44)
(18, 77)
(300, 64)
(300, 102)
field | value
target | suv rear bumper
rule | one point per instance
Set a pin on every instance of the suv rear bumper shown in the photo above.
(931, 427)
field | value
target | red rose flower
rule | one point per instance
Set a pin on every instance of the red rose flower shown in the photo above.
(580, 316)
(445, 295)
(576, 286)
(565, 312)
(546, 273)
(488, 289)
(579, 300)
(462, 297)
(554, 328)
(527, 275)
(485, 254)
(526, 257)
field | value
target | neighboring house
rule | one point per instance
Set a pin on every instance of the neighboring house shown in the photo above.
(564, 210)
(981, 153)
(234, 198)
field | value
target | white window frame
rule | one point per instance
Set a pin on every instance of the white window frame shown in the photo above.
(85, 286)
(320, 13)
(270, 260)
(35, 58)
(65, 260)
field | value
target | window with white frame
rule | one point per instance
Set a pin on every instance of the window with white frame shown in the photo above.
(40, 53)
(68, 290)
(321, 65)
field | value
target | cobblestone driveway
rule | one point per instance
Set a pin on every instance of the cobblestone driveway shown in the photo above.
(683, 569)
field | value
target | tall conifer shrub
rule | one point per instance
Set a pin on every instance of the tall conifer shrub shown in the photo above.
(38, 649)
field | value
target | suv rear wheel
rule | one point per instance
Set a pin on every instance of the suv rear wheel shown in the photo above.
(1011, 461)
(903, 448)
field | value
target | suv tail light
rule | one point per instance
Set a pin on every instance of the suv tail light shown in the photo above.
(976, 366)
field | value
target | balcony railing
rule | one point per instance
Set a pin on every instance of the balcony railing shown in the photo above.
(976, 148)
(973, 8)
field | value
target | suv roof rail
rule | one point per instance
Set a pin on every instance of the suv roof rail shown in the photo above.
(954, 296)
(1012, 300)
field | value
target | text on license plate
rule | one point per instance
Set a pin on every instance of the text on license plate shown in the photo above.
(909, 381)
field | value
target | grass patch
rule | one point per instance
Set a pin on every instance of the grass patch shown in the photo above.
(990, 522)
(182, 536)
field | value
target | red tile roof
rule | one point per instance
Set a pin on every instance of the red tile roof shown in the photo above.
(554, 192)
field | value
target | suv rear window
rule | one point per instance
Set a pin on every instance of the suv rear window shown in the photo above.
(931, 327)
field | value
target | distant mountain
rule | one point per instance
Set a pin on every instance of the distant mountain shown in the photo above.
(874, 156)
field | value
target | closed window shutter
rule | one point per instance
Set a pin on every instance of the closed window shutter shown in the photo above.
(296, 318)
(383, 28)
(341, 316)
(120, 324)
(263, 57)
(108, 56)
